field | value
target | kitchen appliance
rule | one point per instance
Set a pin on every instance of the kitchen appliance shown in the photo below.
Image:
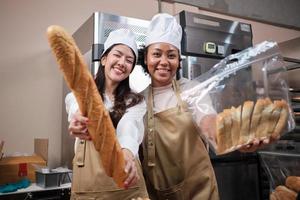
(206, 40)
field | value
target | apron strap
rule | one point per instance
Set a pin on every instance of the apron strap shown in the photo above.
(151, 132)
(176, 87)
(80, 153)
(150, 116)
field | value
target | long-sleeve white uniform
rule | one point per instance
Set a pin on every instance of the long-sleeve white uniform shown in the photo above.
(165, 98)
(130, 129)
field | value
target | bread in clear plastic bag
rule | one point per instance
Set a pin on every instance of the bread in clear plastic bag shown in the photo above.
(249, 94)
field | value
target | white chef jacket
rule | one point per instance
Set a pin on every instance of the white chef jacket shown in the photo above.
(130, 129)
(165, 98)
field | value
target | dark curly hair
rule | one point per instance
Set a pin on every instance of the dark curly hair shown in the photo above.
(143, 54)
(124, 97)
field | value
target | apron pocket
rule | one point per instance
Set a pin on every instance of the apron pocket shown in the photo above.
(173, 193)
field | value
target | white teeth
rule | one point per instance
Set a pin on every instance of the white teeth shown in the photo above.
(118, 70)
(163, 69)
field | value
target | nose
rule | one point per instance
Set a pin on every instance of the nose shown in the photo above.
(164, 60)
(122, 61)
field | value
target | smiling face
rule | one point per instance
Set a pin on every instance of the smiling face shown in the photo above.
(162, 61)
(118, 64)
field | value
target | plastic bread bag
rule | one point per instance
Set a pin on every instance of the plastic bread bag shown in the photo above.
(243, 97)
(280, 163)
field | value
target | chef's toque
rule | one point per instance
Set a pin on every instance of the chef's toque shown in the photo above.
(164, 28)
(121, 36)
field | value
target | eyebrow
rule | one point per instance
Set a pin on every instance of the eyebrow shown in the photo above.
(170, 50)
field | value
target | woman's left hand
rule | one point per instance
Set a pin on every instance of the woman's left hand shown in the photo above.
(130, 169)
(255, 145)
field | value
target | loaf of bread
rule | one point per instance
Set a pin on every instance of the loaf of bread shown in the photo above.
(283, 193)
(81, 83)
(239, 126)
(293, 182)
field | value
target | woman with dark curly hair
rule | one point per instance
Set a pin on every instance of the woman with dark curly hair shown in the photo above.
(176, 164)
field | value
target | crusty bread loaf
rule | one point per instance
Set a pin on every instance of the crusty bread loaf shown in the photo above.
(284, 193)
(246, 118)
(293, 182)
(282, 119)
(264, 120)
(256, 115)
(81, 82)
(236, 123)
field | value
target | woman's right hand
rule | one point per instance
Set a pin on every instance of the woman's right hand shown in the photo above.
(130, 169)
(78, 126)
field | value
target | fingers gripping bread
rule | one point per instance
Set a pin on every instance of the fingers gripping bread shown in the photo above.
(81, 82)
(283, 192)
(273, 196)
(293, 182)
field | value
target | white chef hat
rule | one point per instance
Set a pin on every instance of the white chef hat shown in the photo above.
(164, 28)
(121, 36)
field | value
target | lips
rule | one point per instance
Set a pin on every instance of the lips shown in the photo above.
(119, 70)
(163, 69)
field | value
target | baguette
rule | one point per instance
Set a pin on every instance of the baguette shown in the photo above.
(81, 82)
(246, 117)
(293, 182)
(282, 119)
(284, 193)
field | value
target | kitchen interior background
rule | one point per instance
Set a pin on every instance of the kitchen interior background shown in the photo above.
(31, 86)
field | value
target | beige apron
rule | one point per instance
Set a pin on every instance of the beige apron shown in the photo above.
(176, 164)
(91, 182)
